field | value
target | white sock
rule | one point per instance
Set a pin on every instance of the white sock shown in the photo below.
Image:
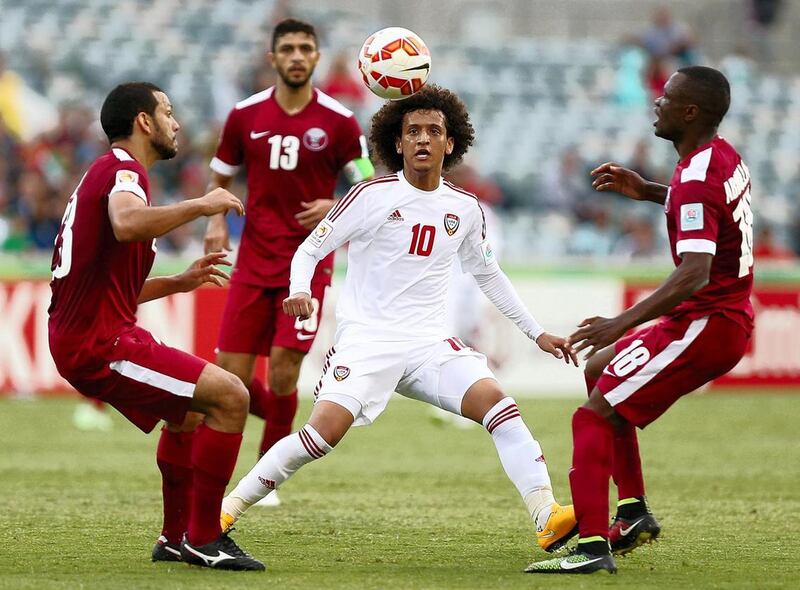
(521, 456)
(276, 466)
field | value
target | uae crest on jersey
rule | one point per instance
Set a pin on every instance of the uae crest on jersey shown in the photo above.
(451, 223)
(341, 372)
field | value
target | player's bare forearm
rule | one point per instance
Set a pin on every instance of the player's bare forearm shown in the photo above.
(202, 271)
(610, 176)
(655, 192)
(158, 287)
(133, 220)
(594, 334)
(135, 224)
(691, 276)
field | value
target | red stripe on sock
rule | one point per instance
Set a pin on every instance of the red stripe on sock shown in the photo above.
(313, 443)
(504, 420)
(300, 433)
(501, 415)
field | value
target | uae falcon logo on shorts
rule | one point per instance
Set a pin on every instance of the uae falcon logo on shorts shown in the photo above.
(451, 223)
(341, 372)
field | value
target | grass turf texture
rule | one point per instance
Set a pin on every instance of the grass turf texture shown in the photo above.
(406, 504)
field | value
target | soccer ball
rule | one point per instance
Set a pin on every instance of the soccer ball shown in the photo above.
(394, 63)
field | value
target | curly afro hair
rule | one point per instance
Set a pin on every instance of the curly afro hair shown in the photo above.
(387, 125)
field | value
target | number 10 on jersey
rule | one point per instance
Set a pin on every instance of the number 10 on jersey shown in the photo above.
(422, 237)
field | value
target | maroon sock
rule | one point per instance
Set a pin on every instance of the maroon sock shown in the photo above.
(213, 459)
(590, 383)
(627, 470)
(279, 420)
(174, 458)
(260, 399)
(592, 439)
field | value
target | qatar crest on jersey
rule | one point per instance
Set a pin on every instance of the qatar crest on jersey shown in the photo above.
(451, 223)
(315, 139)
(340, 373)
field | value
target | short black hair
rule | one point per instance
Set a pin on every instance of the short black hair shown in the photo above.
(292, 25)
(387, 125)
(123, 104)
(708, 89)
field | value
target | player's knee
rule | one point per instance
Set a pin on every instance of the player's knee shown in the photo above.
(234, 399)
(283, 377)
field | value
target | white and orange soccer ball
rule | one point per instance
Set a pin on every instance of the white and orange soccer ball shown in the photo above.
(394, 63)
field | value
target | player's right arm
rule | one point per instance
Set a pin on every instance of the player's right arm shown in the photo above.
(613, 177)
(217, 238)
(344, 221)
(133, 220)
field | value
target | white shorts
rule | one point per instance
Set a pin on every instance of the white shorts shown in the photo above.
(361, 376)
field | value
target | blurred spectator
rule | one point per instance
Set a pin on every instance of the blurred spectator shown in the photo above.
(665, 38)
(594, 237)
(629, 87)
(763, 17)
(467, 177)
(641, 164)
(638, 239)
(767, 247)
(656, 73)
(10, 98)
(42, 209)
(565, 187)
(342, 85)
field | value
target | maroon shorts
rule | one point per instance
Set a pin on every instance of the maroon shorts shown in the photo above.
(145, 380)
(254, 322)
(661, 363)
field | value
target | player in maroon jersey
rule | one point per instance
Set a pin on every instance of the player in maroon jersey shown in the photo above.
(293, 141)
(706, 324)
(103, 254)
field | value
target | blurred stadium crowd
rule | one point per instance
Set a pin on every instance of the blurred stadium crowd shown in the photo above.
(545, 111)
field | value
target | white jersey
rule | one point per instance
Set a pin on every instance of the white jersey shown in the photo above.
(403, 242)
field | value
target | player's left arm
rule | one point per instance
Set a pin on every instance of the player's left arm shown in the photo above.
(477, 258)
(696, 213)
(356, 168)
(200, 272)
(692, 274)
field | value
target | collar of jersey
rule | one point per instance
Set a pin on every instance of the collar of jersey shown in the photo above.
(419, 191)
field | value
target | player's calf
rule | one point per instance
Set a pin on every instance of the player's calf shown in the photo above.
(515, 444)
(279, 463)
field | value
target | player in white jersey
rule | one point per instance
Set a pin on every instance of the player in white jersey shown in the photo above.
(404, 232)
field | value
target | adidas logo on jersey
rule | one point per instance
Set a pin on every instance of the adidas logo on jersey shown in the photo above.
(395, 216)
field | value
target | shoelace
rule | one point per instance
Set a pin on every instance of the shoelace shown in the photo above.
(230, 547)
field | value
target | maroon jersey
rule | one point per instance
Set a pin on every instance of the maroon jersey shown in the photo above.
(708, 210)
(289, 159)
(96, 279)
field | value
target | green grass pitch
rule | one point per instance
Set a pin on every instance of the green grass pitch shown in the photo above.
(407, 504)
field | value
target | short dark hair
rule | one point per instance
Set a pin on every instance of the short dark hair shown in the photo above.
(292, 25)
(708, 89)
(387, 125)
(123, 104)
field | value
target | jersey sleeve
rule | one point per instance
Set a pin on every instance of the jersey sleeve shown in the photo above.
(696, 213)
(346, 220)
(351, 141)
(129, 178)
(475, 252)
(230, 152)
(352, 152)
